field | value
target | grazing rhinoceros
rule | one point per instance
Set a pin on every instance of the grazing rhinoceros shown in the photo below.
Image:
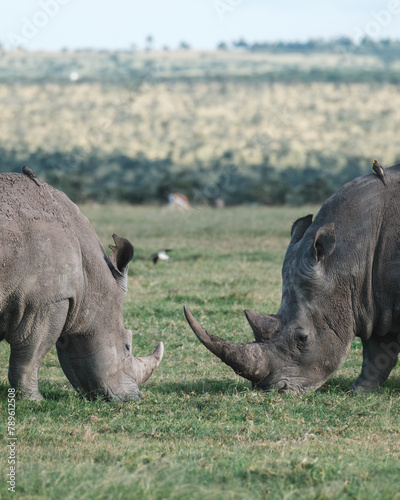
(57, 286)
(341, 279)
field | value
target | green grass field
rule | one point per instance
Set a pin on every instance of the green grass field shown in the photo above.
(200, 431)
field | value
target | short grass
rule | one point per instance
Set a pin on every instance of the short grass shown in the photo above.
(200, 431)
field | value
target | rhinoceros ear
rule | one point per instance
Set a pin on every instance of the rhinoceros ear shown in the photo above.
(299, 228)
(122, 254)
(325, 241)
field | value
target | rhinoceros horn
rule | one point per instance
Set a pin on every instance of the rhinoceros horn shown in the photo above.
(144, 367)
(263, 325)
(248, 360)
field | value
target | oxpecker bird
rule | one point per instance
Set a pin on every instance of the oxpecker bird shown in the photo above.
(378, 169)
(160, 255)
(30, 173)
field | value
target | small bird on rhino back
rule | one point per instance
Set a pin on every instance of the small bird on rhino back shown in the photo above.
(30, 173)
(160, 255)
(378, 169)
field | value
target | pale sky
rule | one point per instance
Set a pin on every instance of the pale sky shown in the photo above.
(97, 24)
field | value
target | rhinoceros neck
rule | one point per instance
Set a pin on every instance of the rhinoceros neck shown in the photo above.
(366, 214)
(100, 305)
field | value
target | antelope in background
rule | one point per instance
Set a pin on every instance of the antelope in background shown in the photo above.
(178, 201)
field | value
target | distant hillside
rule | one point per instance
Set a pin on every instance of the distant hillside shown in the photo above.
(265, 64)
(247, 126)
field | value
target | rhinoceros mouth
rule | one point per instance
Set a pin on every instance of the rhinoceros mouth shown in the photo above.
(286, 386)
(105, 392)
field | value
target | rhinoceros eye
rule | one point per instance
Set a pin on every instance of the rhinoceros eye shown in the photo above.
(127, 348)
(302, 336)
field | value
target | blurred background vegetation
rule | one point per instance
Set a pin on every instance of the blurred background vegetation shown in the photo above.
(281, 123)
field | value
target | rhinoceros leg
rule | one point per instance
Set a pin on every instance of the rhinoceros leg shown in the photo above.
(35, 336)
(379, 358)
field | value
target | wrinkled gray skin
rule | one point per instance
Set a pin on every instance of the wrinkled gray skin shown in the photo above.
(341, 279)
(57, 286)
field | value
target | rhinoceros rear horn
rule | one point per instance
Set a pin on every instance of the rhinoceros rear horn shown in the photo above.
(122, 254)
(144, 367)
(248, 360)
(263, 325)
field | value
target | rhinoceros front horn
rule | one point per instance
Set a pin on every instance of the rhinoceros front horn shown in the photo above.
(144, 367)
(247, 360)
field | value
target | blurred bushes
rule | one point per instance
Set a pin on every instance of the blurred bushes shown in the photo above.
(118, 178)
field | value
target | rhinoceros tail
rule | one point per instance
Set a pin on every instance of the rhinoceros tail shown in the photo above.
(248, 360)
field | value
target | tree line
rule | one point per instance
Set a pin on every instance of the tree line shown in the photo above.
(139, 180)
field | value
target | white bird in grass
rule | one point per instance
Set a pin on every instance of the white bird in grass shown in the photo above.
(160, 255)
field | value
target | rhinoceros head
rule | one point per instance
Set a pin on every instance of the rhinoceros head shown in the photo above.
(98, 361)
(298, 349)
(109, 369)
